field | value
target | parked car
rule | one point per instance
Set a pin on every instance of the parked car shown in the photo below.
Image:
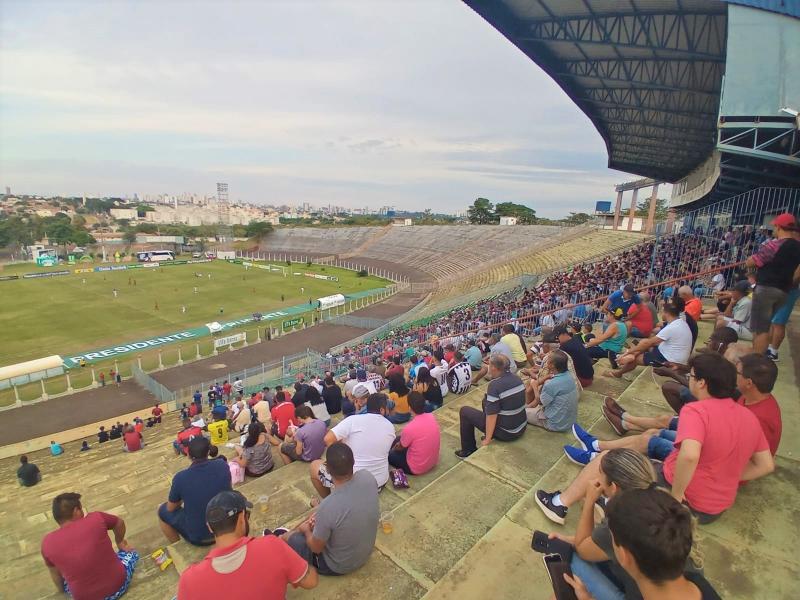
(197, 255)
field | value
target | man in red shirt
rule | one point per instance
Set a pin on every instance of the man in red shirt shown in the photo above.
(157, 412)
(226, 389)
(237, 562)
(755, 377)
(131, 440)
(79, 554)
(189, 432)
(693, 306)
(282, 415)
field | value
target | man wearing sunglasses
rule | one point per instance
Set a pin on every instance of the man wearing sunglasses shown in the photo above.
(241, 565)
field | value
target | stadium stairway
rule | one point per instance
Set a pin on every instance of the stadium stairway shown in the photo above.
(460, 532)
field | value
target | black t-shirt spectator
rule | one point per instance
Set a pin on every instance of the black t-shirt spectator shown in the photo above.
(332, 394)
(300, 395)
(28, 474)
(115, 433)
(102, 436)
(580, 358)
(777, 261)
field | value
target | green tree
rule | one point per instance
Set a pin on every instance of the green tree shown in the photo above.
(524, 214)
(129, 236)
(258, 229)
(481, 212)
(577, 218)
(662, 206)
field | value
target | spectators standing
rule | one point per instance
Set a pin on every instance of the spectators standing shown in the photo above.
(340, 536)
(503, 415)
(184, 513)
(778, 263)
(226, 390)
(28, 474)
(370, 436)
(238, 386)
(306, 442)
(228, 514)
(553, 403)
(102, 378)
(197, 398)
(79, 554)
(417, 449)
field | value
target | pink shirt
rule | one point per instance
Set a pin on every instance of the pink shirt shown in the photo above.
(422, 437)
(730, 434)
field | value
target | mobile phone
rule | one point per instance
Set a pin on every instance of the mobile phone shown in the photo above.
(541, 542)
(556, 568)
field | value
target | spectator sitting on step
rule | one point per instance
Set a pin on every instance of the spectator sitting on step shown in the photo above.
(317, 405)
(261, 410)
(459, 376)
(609, 343)
(516, 344)
(416, 450)
(553, 403)
(186, 435)
(183, 515)
(693, 306)
(332, 394)
(255, 454)
(218, 429)
(85, 446)
(243, 417)
(357, 403)
(306, 442)
(651, 536)
(228, 516)
(571, 344)
(399, 411)
(28, 474)
(716, 444)
(503, 414)
(426, 385)
(340, 536)
(282, 416)
(132, 440)
(370, 436)
(737, 314)
(102, 435)
(79, 554)
(157, 412)
(671, 345)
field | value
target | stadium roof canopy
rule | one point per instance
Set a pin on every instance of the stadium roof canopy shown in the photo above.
(647, 73)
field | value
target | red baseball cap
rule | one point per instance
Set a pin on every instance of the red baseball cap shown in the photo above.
(785, 221)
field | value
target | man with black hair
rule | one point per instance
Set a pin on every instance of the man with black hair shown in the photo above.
(370, 436)
(576, 350)
(236, 564)
(652, 537)
(183, 515)
(340, 536)
(79, 554)
(28, 474)
(756, 375)
(516, 344)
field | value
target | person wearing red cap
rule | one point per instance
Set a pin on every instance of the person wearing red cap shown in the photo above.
(778, 264)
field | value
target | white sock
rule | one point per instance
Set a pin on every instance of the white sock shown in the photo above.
(557, 500)
(596, 445)
(624, 425)
(771, 349)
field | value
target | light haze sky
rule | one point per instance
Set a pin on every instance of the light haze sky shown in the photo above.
(413, 104)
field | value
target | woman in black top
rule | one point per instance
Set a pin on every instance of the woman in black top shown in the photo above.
(332, 394)
(427, 385)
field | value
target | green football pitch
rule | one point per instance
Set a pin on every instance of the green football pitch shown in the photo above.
(78, 312)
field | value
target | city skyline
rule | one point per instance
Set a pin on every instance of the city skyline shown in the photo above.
(414, 105)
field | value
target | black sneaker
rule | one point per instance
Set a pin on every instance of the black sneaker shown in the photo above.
(557, 514)
(773, 356)
(464, 453)
(277, 532)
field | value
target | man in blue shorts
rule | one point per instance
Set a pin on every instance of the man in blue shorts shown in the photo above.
(779, 321)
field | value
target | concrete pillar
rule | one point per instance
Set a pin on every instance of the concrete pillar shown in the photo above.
(69, 383)
(44, 391)
(197, 351)
(670, 220)
(632, 212)
(180, 356)
(139, 360)
(651, 213)
(17, 399)
(617, 210)
(94, 380)
(160, 362)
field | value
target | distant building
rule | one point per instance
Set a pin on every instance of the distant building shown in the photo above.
(8, 191)
(124, 213)
(401, 222)
(508, 220)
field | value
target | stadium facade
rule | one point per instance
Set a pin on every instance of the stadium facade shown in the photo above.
(702, 94)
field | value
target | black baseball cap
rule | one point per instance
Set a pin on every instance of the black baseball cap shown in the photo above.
(224, 505)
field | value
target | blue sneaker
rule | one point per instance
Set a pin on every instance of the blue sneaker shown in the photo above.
(585, 438)
(578, 456)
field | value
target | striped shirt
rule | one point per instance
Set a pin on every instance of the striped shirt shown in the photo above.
(505, 398)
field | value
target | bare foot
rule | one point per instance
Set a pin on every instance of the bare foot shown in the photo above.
(613, 374)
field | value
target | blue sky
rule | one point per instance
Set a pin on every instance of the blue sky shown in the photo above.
(416, 104)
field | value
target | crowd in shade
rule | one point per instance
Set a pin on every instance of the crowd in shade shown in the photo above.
(579, 292)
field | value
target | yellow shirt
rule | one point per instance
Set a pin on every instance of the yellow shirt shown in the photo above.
(400, 402)
(219, 432)
(512, 341)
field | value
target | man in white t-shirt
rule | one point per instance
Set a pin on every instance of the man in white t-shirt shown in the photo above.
(370, 437)
(439, 373)
(672, 344)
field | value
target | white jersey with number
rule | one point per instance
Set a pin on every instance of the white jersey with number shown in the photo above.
(459, 378)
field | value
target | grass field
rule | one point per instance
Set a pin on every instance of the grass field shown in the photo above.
(63, 315)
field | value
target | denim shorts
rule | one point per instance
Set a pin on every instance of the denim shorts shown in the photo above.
(660, 446)
(653, 356)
